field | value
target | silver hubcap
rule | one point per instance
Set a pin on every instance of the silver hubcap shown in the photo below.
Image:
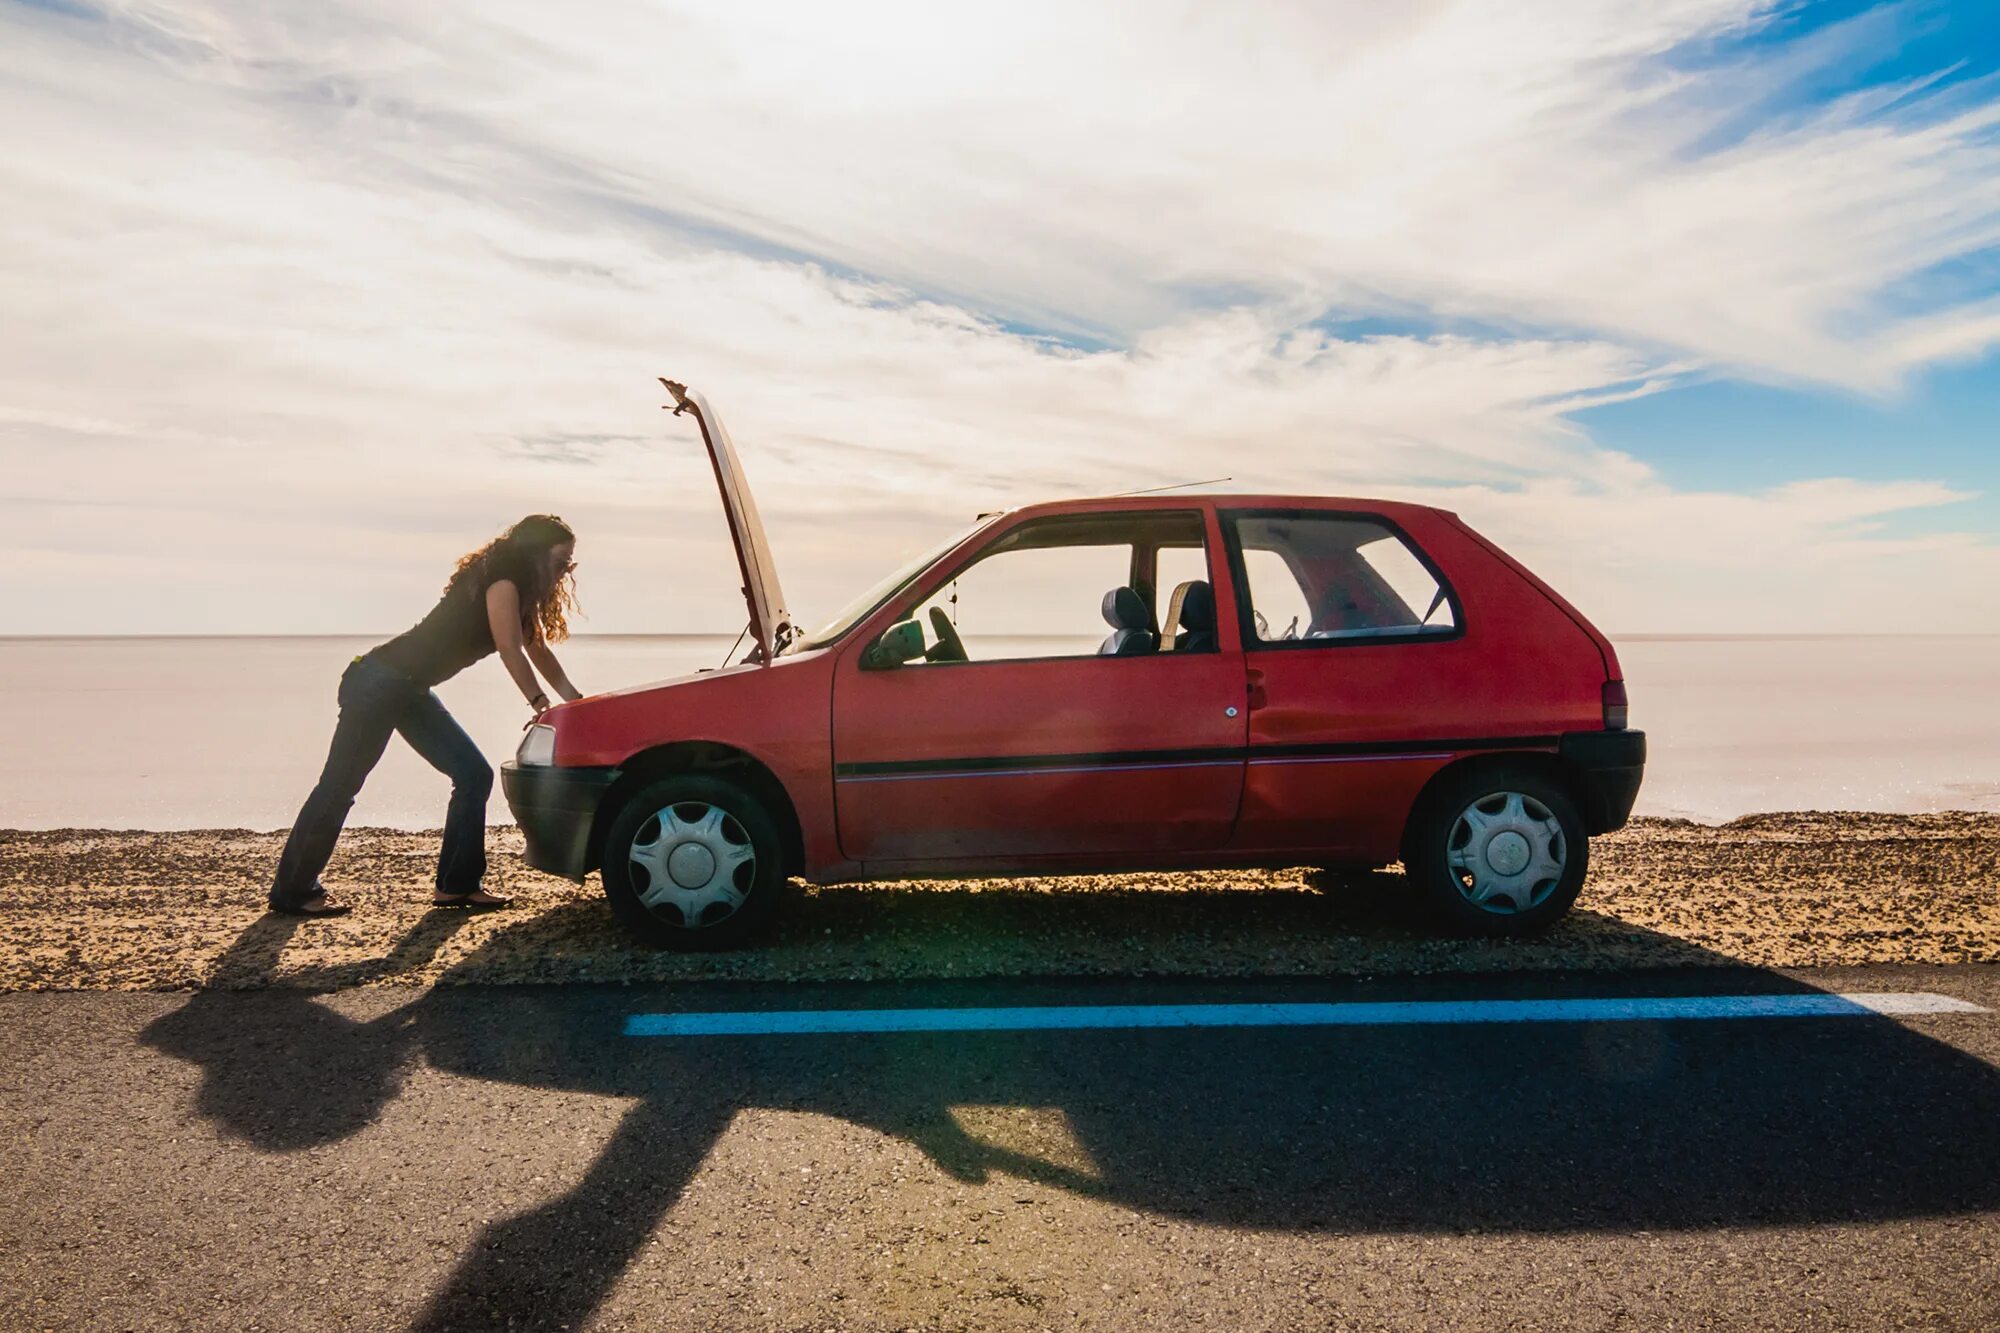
(1506, 852)
(695, 862)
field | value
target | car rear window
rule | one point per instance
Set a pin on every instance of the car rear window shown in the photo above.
(1334, 578)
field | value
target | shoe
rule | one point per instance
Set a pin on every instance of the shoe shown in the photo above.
(300, 909)
(463, 902)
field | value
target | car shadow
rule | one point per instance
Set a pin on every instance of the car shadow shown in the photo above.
(1319, 925)
(1547, 1127)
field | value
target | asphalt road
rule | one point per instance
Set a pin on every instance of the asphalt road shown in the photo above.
(497, 1157)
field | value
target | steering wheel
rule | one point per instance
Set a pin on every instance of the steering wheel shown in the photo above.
(949, 647)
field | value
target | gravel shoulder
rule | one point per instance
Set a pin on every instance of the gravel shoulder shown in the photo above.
(113, 910)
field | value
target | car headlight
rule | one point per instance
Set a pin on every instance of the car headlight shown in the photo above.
(538, 747)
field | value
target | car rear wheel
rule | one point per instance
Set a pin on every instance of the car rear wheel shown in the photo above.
(1500, 851)
(693, 863)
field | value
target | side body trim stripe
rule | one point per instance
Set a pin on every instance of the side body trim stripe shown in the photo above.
(1221, 754)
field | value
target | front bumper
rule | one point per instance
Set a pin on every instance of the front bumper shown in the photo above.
(556, 809)
(1613, 764)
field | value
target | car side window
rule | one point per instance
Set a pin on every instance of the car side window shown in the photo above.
(1030, 603)
(1279, 601)
(1312, 577)
(1074, 586)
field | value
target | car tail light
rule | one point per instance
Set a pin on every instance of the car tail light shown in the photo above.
(1616, 707)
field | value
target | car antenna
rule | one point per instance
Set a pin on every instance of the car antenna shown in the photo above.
(1177, 486)
(1150, 490)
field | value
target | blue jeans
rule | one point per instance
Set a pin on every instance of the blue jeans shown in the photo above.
(375, 701)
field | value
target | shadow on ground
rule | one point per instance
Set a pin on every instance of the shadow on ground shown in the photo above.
(1535, 1127)
(1359, 924)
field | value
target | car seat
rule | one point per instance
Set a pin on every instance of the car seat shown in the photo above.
(1131, 625)
(1194, 612)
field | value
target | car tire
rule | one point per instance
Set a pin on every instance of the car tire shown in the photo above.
(694, 863)
(1497, 851)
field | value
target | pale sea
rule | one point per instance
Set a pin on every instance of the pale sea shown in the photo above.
(175, 733)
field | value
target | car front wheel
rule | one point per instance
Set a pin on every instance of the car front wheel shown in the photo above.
(1498, 852)
(692, 863)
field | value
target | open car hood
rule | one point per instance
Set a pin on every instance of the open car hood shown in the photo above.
(770, 622)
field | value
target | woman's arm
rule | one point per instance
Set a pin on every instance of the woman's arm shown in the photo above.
(545, 662)
(503, 617)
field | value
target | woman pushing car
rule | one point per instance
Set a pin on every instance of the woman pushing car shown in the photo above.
(512, 596)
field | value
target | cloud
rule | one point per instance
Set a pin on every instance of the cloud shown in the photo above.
(299, 300)
(1618, 169)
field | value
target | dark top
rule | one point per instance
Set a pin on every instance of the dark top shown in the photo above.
(456, 633)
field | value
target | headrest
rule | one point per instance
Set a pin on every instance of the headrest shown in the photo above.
(1198, 608)
(1123, 609)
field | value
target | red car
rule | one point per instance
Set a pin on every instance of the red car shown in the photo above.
(1278, 680)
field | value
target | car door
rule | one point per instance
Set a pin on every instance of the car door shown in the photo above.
(1040, 744)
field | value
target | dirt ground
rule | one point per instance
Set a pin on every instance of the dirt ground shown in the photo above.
(97, 909)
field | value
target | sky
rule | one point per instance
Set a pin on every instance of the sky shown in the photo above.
(1692, 305)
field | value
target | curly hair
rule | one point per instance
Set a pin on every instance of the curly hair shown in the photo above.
(546, 602)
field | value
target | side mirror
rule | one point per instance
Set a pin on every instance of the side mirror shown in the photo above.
(899, 643)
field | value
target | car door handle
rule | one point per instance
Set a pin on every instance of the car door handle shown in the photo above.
(1255, 690)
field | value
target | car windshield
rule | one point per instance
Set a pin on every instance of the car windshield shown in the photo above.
(883, 590)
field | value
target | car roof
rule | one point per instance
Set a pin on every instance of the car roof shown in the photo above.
(1239, 500)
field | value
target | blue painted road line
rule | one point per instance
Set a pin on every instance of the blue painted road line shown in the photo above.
(1044, 1018)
